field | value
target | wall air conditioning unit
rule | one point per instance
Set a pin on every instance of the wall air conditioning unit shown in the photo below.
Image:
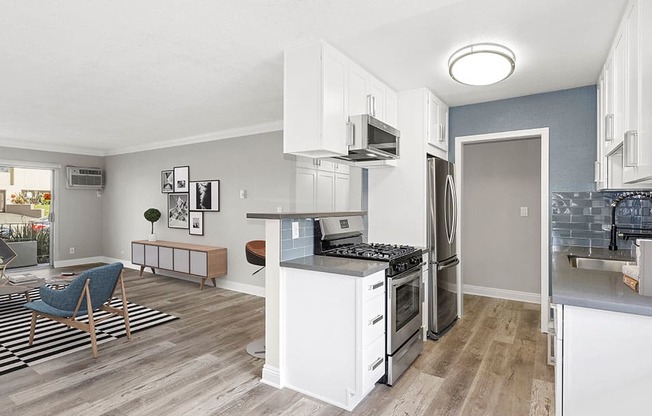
(84, 178)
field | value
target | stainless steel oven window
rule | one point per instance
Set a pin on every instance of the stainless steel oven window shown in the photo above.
(404, 307)
(407, 303)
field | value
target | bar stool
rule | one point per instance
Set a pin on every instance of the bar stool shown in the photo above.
(255, 253)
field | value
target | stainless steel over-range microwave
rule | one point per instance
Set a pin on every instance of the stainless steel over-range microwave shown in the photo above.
(371, 139)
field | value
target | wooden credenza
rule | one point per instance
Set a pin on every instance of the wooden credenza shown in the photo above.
(205, 262)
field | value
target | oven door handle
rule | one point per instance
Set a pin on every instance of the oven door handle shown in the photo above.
(408, 277)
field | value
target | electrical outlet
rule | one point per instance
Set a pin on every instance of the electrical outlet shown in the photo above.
(243, 193)
(72, 250)
(524, 212)
(295, 230)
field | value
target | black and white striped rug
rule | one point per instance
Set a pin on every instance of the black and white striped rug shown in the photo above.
(53, 339)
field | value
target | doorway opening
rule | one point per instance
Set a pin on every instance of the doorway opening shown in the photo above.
(26, 196)
(540, 139)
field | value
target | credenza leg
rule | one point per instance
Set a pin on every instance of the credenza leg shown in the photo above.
(141, 271)
(201, 285)
(153, 271)
(214, 282)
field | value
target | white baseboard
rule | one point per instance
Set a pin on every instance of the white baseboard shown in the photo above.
(221, 283)
(78, 262)
(492, 292)
(271, 376)
(126, 263)
(241, 287)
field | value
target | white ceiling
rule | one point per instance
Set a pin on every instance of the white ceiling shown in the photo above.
(112, 76)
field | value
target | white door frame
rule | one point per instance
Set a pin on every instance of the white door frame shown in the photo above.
(543, 135)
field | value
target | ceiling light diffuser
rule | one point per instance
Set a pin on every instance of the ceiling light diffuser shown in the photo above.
(481, 64)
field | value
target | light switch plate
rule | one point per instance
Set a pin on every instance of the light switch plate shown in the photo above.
(295, 229)
(524, 212)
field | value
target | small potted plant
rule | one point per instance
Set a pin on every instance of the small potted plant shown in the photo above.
(152, 215)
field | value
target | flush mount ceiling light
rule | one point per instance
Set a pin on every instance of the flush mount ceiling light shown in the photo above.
(481, 64)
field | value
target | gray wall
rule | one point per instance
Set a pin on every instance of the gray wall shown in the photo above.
(570, 115)
(79, 216)
(255, 163)
(500, 248)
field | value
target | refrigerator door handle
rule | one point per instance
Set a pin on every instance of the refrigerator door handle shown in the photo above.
(446, 227)
(448, 264)
(454, 197)
(431, 204)
(448, 194)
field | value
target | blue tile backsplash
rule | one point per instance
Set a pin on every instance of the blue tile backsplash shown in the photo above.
(298, 247)
(584, 218)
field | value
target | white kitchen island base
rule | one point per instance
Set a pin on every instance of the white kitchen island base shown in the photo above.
(334, 334)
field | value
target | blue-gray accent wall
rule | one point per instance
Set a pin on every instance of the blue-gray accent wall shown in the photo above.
(569, 114)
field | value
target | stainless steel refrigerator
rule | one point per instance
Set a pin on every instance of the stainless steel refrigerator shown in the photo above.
(442, 225)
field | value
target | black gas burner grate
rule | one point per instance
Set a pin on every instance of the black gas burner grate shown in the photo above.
(372, 251)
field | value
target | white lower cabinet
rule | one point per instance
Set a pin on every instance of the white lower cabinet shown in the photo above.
(333, 331)
(603, 363)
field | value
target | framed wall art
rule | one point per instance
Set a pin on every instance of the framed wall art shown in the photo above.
(178, 210)
(181, 178)
(205, 195)
(167, 181)
(196, 223)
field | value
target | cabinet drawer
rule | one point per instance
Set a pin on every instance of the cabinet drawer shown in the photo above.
(165, 258)
(138, 254)
(151, 256)
(181, 260)
(199, 263)
(373, 286)
(373, 324)
(373, 364)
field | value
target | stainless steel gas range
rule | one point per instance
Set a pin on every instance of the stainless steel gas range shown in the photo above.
(342, 237)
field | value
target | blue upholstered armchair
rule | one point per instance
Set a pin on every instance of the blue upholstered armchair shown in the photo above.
(89, 292)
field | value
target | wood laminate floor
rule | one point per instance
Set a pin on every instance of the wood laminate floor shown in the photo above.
(493, 362)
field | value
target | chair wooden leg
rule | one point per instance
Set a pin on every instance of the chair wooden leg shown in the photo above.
(91, 331)
(32, 328)
(91, 320)
(125, 309)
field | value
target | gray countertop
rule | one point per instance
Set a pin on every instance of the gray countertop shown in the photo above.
(594, 289)
(337, 265)
(283, 215)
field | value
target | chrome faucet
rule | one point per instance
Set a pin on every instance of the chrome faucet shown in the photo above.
(627, 195)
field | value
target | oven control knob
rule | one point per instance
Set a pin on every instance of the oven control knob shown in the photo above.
(401, 267)
(415, 260)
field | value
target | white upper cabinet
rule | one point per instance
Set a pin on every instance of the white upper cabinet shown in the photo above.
(321, 89)
(358, 101)
(315, 101)
(600, 164)
(625, 104)
(368, 95)
(391, 108)
(437, 123)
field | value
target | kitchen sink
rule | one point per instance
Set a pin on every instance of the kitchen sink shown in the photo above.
(591, 263)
